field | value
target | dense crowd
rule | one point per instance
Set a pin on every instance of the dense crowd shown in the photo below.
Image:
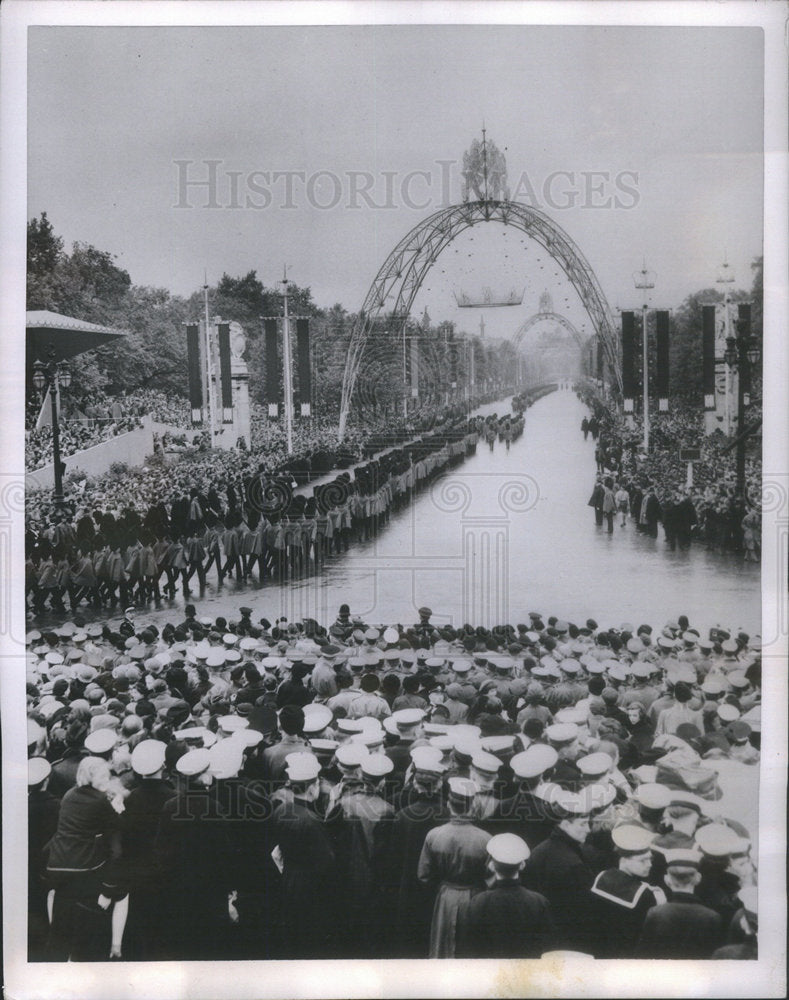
(253, 527)
(655, 484)
(75, 435)
(253, 790)
(85, 422)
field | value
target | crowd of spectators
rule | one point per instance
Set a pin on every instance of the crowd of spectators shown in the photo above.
(242, 789)
(716, 515)
(85, 422)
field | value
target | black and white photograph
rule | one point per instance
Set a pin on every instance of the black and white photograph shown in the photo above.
(394, 499)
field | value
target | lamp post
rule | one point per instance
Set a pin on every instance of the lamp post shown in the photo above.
(209, 366)
(49, 376)
(644, 280)
(286, 362)
(741, 354)
(726, 278)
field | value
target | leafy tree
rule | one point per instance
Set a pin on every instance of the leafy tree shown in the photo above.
(44, 248)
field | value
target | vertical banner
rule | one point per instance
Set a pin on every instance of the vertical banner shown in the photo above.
(744, 330)
(628, 360)
(453, 362)
(223, 335)
(414, 366)
(195, 374)
(305, 374)
(662, 376)
(708, 355)
(272, 368)
(599, 356)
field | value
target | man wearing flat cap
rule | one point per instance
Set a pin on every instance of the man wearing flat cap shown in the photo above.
(291, 724)
(506, 920)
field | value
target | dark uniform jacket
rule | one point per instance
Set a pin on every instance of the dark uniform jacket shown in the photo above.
(559, 870)
(525, 815)
(507, 921)
(681, 928)
(139, 825)
(619, 907)
(308, 916)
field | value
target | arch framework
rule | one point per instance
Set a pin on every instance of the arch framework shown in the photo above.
(551, 317)
(400, 277)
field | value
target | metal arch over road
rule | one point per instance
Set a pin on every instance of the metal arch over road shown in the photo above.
(550, 317)
(396, 285)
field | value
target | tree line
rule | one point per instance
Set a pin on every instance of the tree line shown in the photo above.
(88, 284)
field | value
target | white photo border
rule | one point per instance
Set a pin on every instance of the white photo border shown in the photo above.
(554, 977)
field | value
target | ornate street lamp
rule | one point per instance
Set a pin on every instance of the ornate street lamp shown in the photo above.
(644, 280)
(50, 376)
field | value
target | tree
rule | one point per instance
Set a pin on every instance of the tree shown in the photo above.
(44, 248)
(242, 300)
(44, 253)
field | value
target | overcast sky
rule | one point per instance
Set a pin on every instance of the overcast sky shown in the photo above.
(670, 117)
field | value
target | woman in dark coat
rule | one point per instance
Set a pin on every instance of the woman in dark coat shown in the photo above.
(78, 856)
(640, 730)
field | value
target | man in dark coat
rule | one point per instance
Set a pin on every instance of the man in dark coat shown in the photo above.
(422, 808)
(308, 919)
(192, 850)
(64, 770)
(682, 927)
(559, 869)
(361, 825)
(506, 920)
(525, 813)
(42, 821)
(140, 820)
(622, 896)
(291, 722)
(596, 500)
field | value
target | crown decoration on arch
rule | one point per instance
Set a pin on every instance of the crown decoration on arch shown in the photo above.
(401, 275)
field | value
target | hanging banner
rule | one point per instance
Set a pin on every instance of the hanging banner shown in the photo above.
(708, 355)
(414, 366)
(223, 335)
(600, 357)
(452, 353)
(304, 370)
(272, 368)
(194, 371)
(628, 360)
(662, 374)
(744, 330)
